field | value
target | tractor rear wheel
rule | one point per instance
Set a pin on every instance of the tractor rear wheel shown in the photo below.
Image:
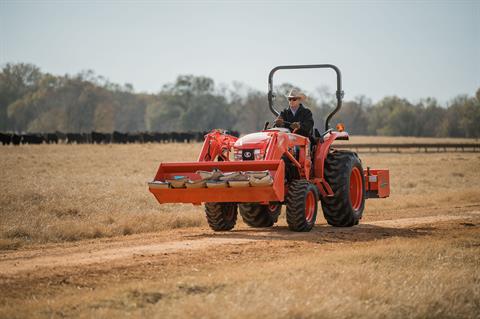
(221, 216)
(256, 215)
(302, 205)
(344, 173)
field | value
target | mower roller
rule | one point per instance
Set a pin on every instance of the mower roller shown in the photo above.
(259, 172)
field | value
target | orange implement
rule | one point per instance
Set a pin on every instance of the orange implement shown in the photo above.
(264, 194)
(377, 183)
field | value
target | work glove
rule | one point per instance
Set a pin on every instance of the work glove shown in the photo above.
(278, 121)
(295, 125)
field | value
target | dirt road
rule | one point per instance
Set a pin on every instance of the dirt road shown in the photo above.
(124, 250)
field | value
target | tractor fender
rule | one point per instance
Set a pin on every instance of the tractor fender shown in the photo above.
(323, 148)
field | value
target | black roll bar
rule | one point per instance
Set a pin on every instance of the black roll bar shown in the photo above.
(339, 92)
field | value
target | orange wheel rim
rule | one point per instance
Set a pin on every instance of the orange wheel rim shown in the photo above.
(356, 188)
(309, 206)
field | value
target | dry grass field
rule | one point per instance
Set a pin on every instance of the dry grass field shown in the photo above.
(81, 236)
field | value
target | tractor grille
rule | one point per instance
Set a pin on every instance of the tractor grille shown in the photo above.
(248, 155)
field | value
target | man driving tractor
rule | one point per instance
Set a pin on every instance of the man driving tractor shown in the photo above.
(303, 181)
(296, 117)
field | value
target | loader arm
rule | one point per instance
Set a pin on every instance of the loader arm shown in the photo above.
(217, 145)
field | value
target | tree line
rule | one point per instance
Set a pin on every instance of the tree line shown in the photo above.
(32, 101)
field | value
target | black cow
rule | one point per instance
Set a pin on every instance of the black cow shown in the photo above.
(185, 137)
(80, 138)
(174, 137)
(167, 137)
(119, 137)
(134, 138)
(62, 137)
(108, 138)
(148, 137)
(74, 138)
(200, 136)
(51, 138)
(86, 138)
(5, 138)
(32, 139)
(16, 139)
(157, 137)
(99, 138)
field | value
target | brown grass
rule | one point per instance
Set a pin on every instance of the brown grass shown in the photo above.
(434, 275)
(70, 192)
(56, 193)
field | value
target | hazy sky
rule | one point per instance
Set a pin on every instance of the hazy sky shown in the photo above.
(413, 49)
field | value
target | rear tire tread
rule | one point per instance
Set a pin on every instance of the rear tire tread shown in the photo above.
(338, 210)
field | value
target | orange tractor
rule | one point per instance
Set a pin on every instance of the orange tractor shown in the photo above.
(259, 172)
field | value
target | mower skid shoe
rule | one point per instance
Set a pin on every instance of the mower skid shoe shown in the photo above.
(272, 193)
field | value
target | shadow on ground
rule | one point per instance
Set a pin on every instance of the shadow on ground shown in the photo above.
(320, 233)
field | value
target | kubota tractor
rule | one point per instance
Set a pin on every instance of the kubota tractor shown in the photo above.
(259, 172)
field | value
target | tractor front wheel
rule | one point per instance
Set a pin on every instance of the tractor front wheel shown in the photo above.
(256, 215)
(302, 205)
(344, 173)
(221, 216)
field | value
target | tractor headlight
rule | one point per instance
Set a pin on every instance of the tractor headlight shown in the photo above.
(237, 155)
(258, 154)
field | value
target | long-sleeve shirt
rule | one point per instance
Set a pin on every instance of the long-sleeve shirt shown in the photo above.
(302, 115)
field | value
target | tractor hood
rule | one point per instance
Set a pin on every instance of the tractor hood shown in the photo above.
(253, 141)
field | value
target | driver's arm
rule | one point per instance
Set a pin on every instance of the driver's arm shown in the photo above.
(279, 121)
(306, 124)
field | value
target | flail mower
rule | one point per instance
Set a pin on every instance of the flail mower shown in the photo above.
(258, 173)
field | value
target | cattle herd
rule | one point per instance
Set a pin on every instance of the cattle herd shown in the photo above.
(104, 138)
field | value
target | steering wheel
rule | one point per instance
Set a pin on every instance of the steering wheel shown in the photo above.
(284, 122)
